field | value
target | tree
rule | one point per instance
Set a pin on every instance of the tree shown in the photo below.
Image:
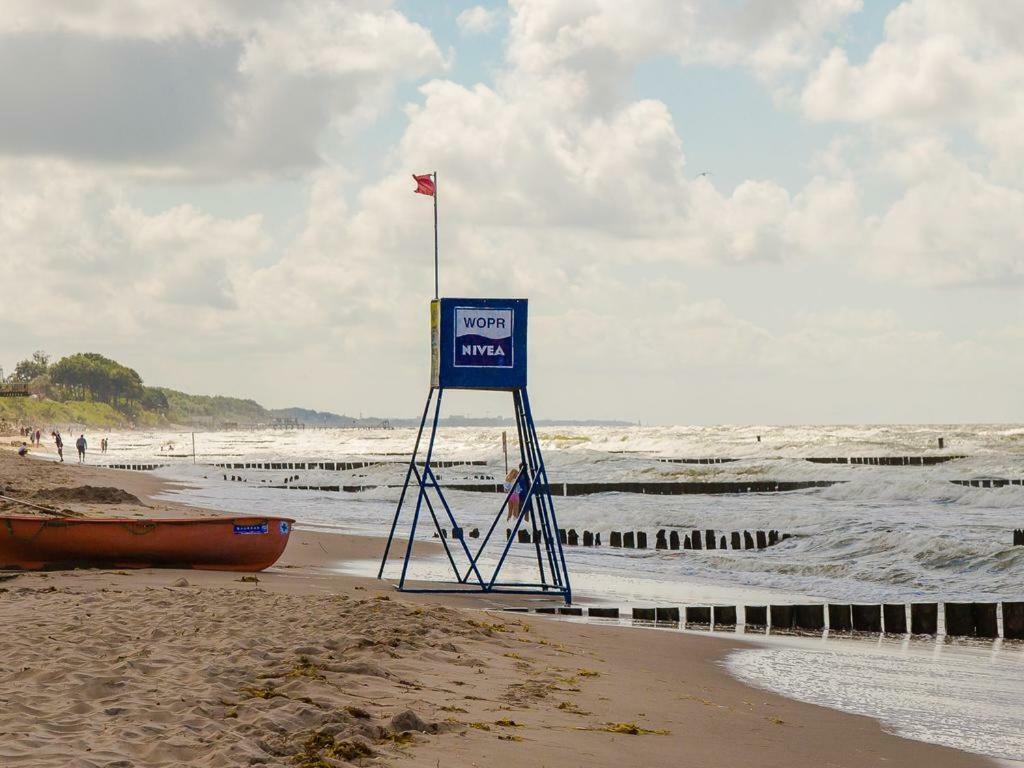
(33, 368)
(154, 400)
(91, 376)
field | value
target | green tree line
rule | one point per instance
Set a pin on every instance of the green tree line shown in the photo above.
(89, 377)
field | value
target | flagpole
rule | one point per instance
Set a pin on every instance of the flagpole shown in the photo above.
(436, 292)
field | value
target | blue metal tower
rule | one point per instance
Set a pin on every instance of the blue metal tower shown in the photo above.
(481, 344)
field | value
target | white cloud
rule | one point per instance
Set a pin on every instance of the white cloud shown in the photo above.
(956, 65)
(952, 226)
(71, 240)
(216, 89)
(477, 20)
(769, 37)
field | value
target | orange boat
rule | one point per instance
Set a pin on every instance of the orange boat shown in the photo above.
(210, 543)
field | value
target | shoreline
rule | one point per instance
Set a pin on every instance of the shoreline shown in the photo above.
(531, 671)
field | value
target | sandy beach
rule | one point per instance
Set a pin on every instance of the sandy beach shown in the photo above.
(306, 666)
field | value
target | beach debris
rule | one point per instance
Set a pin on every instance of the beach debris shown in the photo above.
(253, 579)
(631, 729)
(306, 668)
(255, 692)
(320, 747)
(182, 582)
(572, 708)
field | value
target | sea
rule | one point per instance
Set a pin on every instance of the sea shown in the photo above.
(880, 534)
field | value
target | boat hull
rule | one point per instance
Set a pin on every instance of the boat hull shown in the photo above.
(212, 543)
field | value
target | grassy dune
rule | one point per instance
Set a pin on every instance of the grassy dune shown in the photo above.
(42, 413)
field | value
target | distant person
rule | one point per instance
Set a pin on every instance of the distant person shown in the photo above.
(512, 488)
(39, 437)
(23, 451)
(59, 442)
(81, 445)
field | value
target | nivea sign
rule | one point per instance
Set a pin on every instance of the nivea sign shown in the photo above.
(478, 343)
(483, 338)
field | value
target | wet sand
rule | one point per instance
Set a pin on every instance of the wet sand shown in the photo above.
(311, 667)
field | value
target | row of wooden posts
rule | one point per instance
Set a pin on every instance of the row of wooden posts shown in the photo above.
(1018, 537)
(586, 489)
(885, 461)
(337, 466)
(638, 539)
(989, 482)
(960, 619)
(707, 539)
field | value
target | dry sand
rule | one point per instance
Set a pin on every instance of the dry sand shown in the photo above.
(308, 667)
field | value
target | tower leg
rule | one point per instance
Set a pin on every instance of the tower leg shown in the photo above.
(405, 486)
(564, 573)
(422, 490)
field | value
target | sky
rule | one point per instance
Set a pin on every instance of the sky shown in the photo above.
(802, 211)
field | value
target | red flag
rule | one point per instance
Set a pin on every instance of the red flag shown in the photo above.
(424, 184)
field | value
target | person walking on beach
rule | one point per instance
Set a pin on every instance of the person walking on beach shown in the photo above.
(60, 445)
(81, 445)
(39, 437)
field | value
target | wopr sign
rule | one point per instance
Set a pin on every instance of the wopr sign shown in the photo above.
(483, 338)
(478, 344)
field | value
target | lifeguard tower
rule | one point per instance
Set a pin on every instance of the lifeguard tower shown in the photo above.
(480, 344)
